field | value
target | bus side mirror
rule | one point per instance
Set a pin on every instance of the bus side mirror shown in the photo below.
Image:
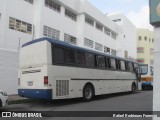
(143, 69)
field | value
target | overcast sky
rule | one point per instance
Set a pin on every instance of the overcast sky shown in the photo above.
(136, 10)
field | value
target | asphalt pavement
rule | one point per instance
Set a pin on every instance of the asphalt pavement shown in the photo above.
(140, 101)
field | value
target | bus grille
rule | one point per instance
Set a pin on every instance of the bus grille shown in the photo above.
(62, 87)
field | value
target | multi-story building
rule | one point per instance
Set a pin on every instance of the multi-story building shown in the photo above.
(74, 21)
(128, 43)
(145, 47)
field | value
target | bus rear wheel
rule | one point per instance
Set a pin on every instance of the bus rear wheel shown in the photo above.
(88, 93)
(133, 89)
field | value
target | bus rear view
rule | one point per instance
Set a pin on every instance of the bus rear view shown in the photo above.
(33, 72)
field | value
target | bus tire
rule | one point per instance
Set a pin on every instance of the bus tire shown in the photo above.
(133, 88)
(88, 92)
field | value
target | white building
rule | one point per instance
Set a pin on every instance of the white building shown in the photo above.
(128, 42)
(73, 21)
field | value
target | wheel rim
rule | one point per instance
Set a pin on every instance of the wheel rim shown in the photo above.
(88, 93)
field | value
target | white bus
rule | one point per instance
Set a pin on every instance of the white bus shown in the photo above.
(52, 69)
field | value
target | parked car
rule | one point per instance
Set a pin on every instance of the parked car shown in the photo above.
(3, 99)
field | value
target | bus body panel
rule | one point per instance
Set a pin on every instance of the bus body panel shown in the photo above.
(104, 81)
(35, 60)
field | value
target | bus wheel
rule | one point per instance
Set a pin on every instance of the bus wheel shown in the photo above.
(133, 89)
(88, 93)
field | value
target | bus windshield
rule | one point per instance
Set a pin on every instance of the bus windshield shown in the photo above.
(143, 69)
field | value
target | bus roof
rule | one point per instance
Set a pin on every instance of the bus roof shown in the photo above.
(65, 44)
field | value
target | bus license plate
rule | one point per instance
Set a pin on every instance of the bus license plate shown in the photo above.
(30, 83)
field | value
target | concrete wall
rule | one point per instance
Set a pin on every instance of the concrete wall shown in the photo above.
(156, 81)
(9, 71)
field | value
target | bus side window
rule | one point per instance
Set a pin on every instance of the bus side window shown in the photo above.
(69, 56)
(135, 67)
(96, 60)
(118, 64)
(89, 60)
(80, 59)
(122, 65)
(107, 62)
(113, 63)
(57, 55)
(101, 62)
(129, 66)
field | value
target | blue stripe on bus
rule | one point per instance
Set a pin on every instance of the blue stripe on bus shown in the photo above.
(65, 44)
(36, 93)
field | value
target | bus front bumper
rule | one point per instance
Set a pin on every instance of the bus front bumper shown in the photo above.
(36, 93)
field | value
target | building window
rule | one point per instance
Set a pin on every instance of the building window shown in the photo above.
(88, 43)
(140, 50)
(99, 26)
(113, 52)
(140, 60)
(151, 51)
(98, 46)
(50, 4)
(30, 1)
(106, 50)
(71, 15)
(114, 36)
(89, 21)
(140, 38)
(50, 32)
(70, 39)
(19, 25)
(107, 31)
(117, 20)
(145, 38)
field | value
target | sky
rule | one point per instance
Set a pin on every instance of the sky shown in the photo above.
(136, 10)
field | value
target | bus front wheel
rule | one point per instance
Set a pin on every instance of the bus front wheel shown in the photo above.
(88, 93)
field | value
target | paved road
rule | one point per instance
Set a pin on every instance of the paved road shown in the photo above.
(140, 101)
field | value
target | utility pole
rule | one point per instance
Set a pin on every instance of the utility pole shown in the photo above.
(155, 21)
